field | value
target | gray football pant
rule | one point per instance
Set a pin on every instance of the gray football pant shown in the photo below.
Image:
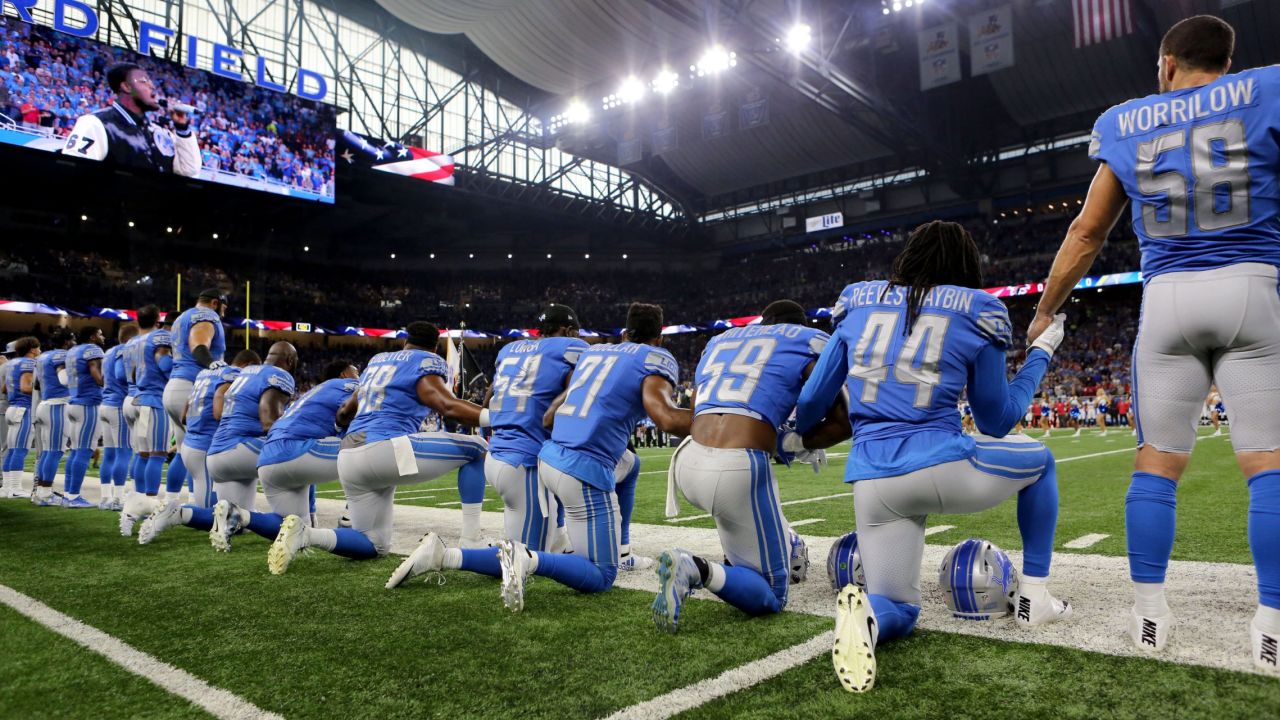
(196, 462)
(371, 472)
(176, 393)
(287, 485)
(235, 473)
(529, 507)
(1204, 327)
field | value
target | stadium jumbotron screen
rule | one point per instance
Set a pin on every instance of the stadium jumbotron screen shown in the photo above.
(57, 95)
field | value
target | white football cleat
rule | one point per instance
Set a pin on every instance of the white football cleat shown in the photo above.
(1149, 632)
(226, 522)
(854, 653)
(799, 558)
(1266, 649)
(427, 557)
(105, 502)
(678, 577)
(632, 561)
(136, 508)
(158, 522)
(291, 540)
(1032, 611)
(513, 557)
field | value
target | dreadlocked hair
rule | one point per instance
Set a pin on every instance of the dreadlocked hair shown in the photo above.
(937, 253)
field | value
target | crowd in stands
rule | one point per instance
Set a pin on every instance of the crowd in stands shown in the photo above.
(494, 300)
(49, 79)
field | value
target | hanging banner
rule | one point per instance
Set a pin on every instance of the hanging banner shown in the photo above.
(991, 40)
(754, 110)
(629, 151)
(939, 56)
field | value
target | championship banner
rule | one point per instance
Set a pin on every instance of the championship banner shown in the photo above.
(664, 137)
(939, 56)
(991, 40)
(754, 110)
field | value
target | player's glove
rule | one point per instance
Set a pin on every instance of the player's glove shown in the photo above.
(791, 449)
(1053, 335)
(216, 364)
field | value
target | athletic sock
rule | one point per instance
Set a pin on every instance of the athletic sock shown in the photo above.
(1038, 519)
(137, 471)
(346, 542)
(1149, 600)
(1150, 519)
(196, 517)
(265, 524)
(1264, 534)
(479, 560)
(626, 492)
(744, 589)
(322, 538)
(573, 571)
(77, 468)
(153, 471)
(717, 576)
(1033, 587)
(895, 619)
(108, 469)
(471, 520)
(1267, 619)
(471, 483)
(177, 476)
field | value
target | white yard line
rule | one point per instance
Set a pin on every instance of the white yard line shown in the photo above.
(1089, 540)
(806, 521)
(728, 682)
(937, 529)
(215, 701)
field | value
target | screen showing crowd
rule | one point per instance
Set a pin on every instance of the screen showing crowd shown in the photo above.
(90, 100)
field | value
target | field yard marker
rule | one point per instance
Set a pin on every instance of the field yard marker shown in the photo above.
(801, 501)
(216, 701)
(728, 682)
(1089, 540)
(807, 521)
(937, 529)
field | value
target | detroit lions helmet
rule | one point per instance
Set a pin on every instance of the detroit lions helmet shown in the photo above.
(844, 563)
(978, 581)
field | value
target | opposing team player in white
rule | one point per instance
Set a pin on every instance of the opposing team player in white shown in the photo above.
(382, 449)
(1201, 164)
(747, 384)
(906, 348)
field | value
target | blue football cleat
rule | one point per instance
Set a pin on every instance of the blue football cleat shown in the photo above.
(54, 500)
(77, 504)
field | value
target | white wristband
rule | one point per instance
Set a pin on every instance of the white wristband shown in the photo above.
(484, 417)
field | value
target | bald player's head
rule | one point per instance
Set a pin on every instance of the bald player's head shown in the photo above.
(283, 355)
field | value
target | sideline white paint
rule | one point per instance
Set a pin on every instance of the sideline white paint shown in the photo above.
(215, 701)
(728, 682)
(937, 529)
(1089, 540)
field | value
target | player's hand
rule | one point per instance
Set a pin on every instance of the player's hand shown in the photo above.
(1050, 336)
(217, 364)
(1039, 324)
(816, 459)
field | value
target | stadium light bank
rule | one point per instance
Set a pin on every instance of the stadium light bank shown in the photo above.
(79, 19)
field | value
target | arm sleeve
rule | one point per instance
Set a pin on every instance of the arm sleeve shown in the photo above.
(186, 154)
(823, 385)
(88, 139)
(998, 405)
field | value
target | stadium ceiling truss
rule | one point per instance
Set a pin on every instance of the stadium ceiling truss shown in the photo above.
(381, 74)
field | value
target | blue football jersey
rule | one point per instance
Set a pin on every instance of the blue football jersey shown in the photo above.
(147, 373)
(529, 375)
(114, 386)
(185, 366)
(47, 366)
(201, 425)
(1200, 166)
(757, 370)
(240, 419)
(388, 404)
(602, 407)
(15, 369)
(903, 388)
(84, 390)
(130, 356)
(312, 416)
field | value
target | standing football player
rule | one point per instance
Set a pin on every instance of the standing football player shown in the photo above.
(383, 449)
(50, 421)
(198, 343)
(1200, 162)
(747, 383)
(150, 361)
(906, 349)
(250, 407)
(1216, 409)
(85, 381)
(20, 375)
(117, 451)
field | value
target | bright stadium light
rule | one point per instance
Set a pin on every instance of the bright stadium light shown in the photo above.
(393, 256)
(797, 38)
(631, 90)
(576, 112)
(624, 256)
(548, 256)
(471, 256)
(433, 256)
(84, 217)
(715, 60)
(168, 229)
(306, 248)
(586, 256)
(130, 223)
(665, 81)
(509, 256)
(215, 236)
